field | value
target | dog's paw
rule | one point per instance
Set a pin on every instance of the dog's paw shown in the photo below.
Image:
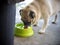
(34, 25)
(53, 22)
(41, 32)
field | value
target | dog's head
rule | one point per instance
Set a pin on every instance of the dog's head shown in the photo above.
(29, 15)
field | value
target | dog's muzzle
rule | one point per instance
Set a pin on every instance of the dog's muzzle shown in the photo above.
(26, 23)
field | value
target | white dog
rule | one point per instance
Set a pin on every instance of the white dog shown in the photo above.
(40, 9)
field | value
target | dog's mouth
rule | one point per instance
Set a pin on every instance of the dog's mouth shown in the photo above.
(26, 24)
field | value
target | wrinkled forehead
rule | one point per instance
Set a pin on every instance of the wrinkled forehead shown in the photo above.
(30, 7)
(26, 8)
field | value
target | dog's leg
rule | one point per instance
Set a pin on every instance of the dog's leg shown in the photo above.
(35, 24)
(46, 19)
(54, 22)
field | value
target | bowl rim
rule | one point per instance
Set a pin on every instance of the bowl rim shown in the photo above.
(30, 27)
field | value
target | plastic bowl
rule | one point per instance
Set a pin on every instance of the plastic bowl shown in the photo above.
(20, 31)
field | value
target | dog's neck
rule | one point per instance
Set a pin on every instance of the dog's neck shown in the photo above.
(47, 3)
(39, 3)
(36, 4)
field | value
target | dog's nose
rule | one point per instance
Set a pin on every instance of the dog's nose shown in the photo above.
(27, 23)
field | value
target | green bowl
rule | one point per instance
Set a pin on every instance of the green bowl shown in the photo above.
(20, 31)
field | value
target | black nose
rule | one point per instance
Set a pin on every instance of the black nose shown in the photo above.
(27, 23)
(31, 14)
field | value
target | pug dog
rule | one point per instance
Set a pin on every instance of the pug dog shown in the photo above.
(31, 14)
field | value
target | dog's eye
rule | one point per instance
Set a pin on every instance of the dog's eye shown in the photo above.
(20, 12)
(31, 14)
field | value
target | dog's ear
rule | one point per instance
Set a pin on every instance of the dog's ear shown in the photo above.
(32, 14)
(27, 7)
(20, 12)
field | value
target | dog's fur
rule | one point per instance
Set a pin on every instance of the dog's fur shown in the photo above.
(42, 9)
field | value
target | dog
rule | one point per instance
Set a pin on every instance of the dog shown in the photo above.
(31, 14)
